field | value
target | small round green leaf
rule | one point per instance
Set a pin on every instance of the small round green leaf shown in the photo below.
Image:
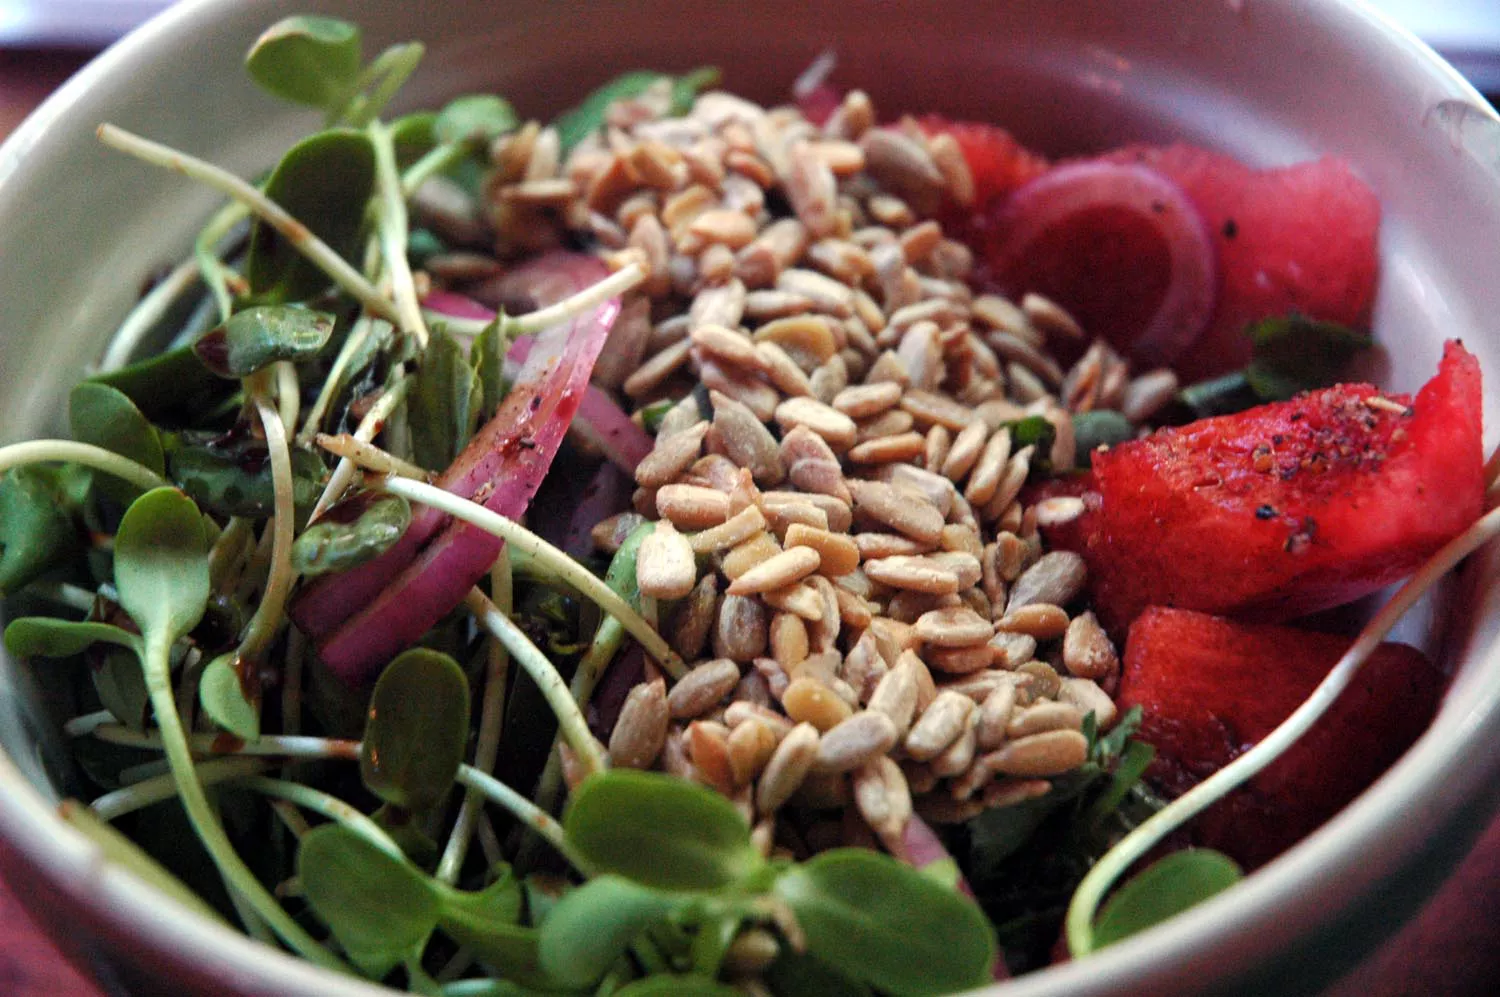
(672, 985)
(106, 417)
(871, 918)
(225, 699)
(417, 729)
(233, 478)
(37, 530)
(171, 388)
(660, 831)
(381, 909)
(45, 637)
(307, 59)
(475, 118)
(1163, 890)
(592, 926)
(351, 533)
(258, 337)
(444, 402)
(161, 564)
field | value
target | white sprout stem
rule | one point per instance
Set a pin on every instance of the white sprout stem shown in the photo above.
(257, 565)
(527, 812)
(298, 235)
(369, 426)
(1092, 890)
(268, 615)
(288, 395)
(622, 280)
(393, 234)
(88, 723)
(566, 569)
(64, 593)
(554, 690)
(217, 276)
(265, 746)
(44, 451)
(491, 720)
(228, 551)
(363, 327)
(146, 313)
(369, 456)
(331, 807)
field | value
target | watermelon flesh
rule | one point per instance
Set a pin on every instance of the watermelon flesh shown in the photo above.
(1211, 688)
(1284, 509)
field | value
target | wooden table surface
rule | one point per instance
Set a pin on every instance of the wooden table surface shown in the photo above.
(1451, 950)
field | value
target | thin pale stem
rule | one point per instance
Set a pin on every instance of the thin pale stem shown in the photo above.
(146, 314)
(298, 235)
(527, 812)
(1090, 892)
(288, 395)
(387, 71)
(393, 234)
(363, 327)
(617, 283)
(265, 746)
(45, 451)
(64, 593)
(574, 727)
(229, 551)
(269, 614)
(369, 456)
(555, 560)
(369, 426)
(331, 807)
(438, 159)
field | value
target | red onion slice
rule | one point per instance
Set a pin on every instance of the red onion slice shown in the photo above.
(1078, 207)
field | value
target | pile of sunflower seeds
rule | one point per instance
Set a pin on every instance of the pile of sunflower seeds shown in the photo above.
(842, 548)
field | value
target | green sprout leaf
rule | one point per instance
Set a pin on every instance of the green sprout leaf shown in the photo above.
(121, 686)
(161, 564)
(1219, 396)
(45, 637)
(417, 729)
(488, 362)
(222, 692)
(37, 529)
(798, 973)
(381, 909)
(351, 533)
(255, 338)
(172, 388)
(1033, 431)
(874, 919)
(106, 417)
(588, 117)
(475, 119)
(1293, 353)
(593, 926)
(1163, 890)
(670, 985)
(307, 60)
(661, 832)
(232, 477)
(444, 402)
(1099, 428)
(325, 181)
(412, 137)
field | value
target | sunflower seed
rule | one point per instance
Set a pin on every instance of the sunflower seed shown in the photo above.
(1057, 578)
(701, 688)
(1041, 717)
(664, 567)
(641, 730)
(855, 741)
(1087, 650)
(939, 725)
(788, 767)
(994, 714)
(742, 629)
(1051, 753)
(883, 798)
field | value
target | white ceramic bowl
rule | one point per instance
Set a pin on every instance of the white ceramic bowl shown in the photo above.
(1268, 80)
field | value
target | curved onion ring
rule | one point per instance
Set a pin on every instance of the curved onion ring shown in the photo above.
(1192, 283)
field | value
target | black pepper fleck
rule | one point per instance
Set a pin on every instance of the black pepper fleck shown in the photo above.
(1231, 228)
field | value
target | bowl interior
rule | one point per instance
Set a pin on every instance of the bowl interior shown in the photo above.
(1270, 82)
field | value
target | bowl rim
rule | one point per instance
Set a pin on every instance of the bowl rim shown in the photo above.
(1346, 851)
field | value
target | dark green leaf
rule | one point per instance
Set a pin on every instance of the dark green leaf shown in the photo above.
(487, 924)
(874, 919)
(1220, 396)
(660, 831)
(653, 414)
(350, 533)
(307, 60)
(477, 119)
(381, 908)
(1164, 889)
(582, 121)
(593, 926)
(222, 692)
(417, 729)
(621, 576)
(1033, 431)
(670, 985)
(489, 364)
(1128, 771)
(1293, 353)
(498, 903)
(161, 564)
(798, 974)
(121, 686)
(37, 530)
(412, 137)
(106, 417)
(46, 637)
(171, 388)
(232, 477)
(258, 337)
(325, 182)
(444, 402)
(1099, 428)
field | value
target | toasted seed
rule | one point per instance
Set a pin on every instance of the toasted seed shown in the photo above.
(695, 618)
(888, 449)
(865, 400)
(939, 441)
(671, 456)
(1047, 754)
(702, 687)
(939, 725)
(1011, 650)
(964, 565)
(664, 567)
(777, 571)
(830, 378)
(787, 768)
(809, 700)
(892, 422)
(960, 660)
(789, 644)
(836, 509)
(966, 448)
(1048, 316)
(650, 375)
(838, 553)
(826, 294)
(855, 741)
(918, 242)
(915, 518)
(1058, 510)
(958, 757)
(812, 190)
(784, 515)
(1147, 394)
(1087, 651)
(1044, 716)
(807, 339)
(1026, 356)
(727, 345)
(921, 350)
(1041, 620)
(707, 746)
(641, 730)
(917, 574)
(959, 538)
(782, 371)
(895, 695)
(609, 534)
(1086, 695)
(1044, 682)
(742, 629)
(741, 710)
(746, 440)
(743, 525)
(1008, 792)
(956, 626)
(994, 715)
(933, 409)
(990, 470)
(875, 546)
(901, 164)
(1056, 578)
(692, 507)
(820, 477)
(748, 553)
(722, 225)
(751, 745)
(853, 611)
(834, 426)
(938, 489)
(797, 598)
(883, 798)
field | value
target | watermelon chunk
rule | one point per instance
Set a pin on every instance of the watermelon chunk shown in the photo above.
(1211, 688)
(1299, 238)
(1283, 509)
